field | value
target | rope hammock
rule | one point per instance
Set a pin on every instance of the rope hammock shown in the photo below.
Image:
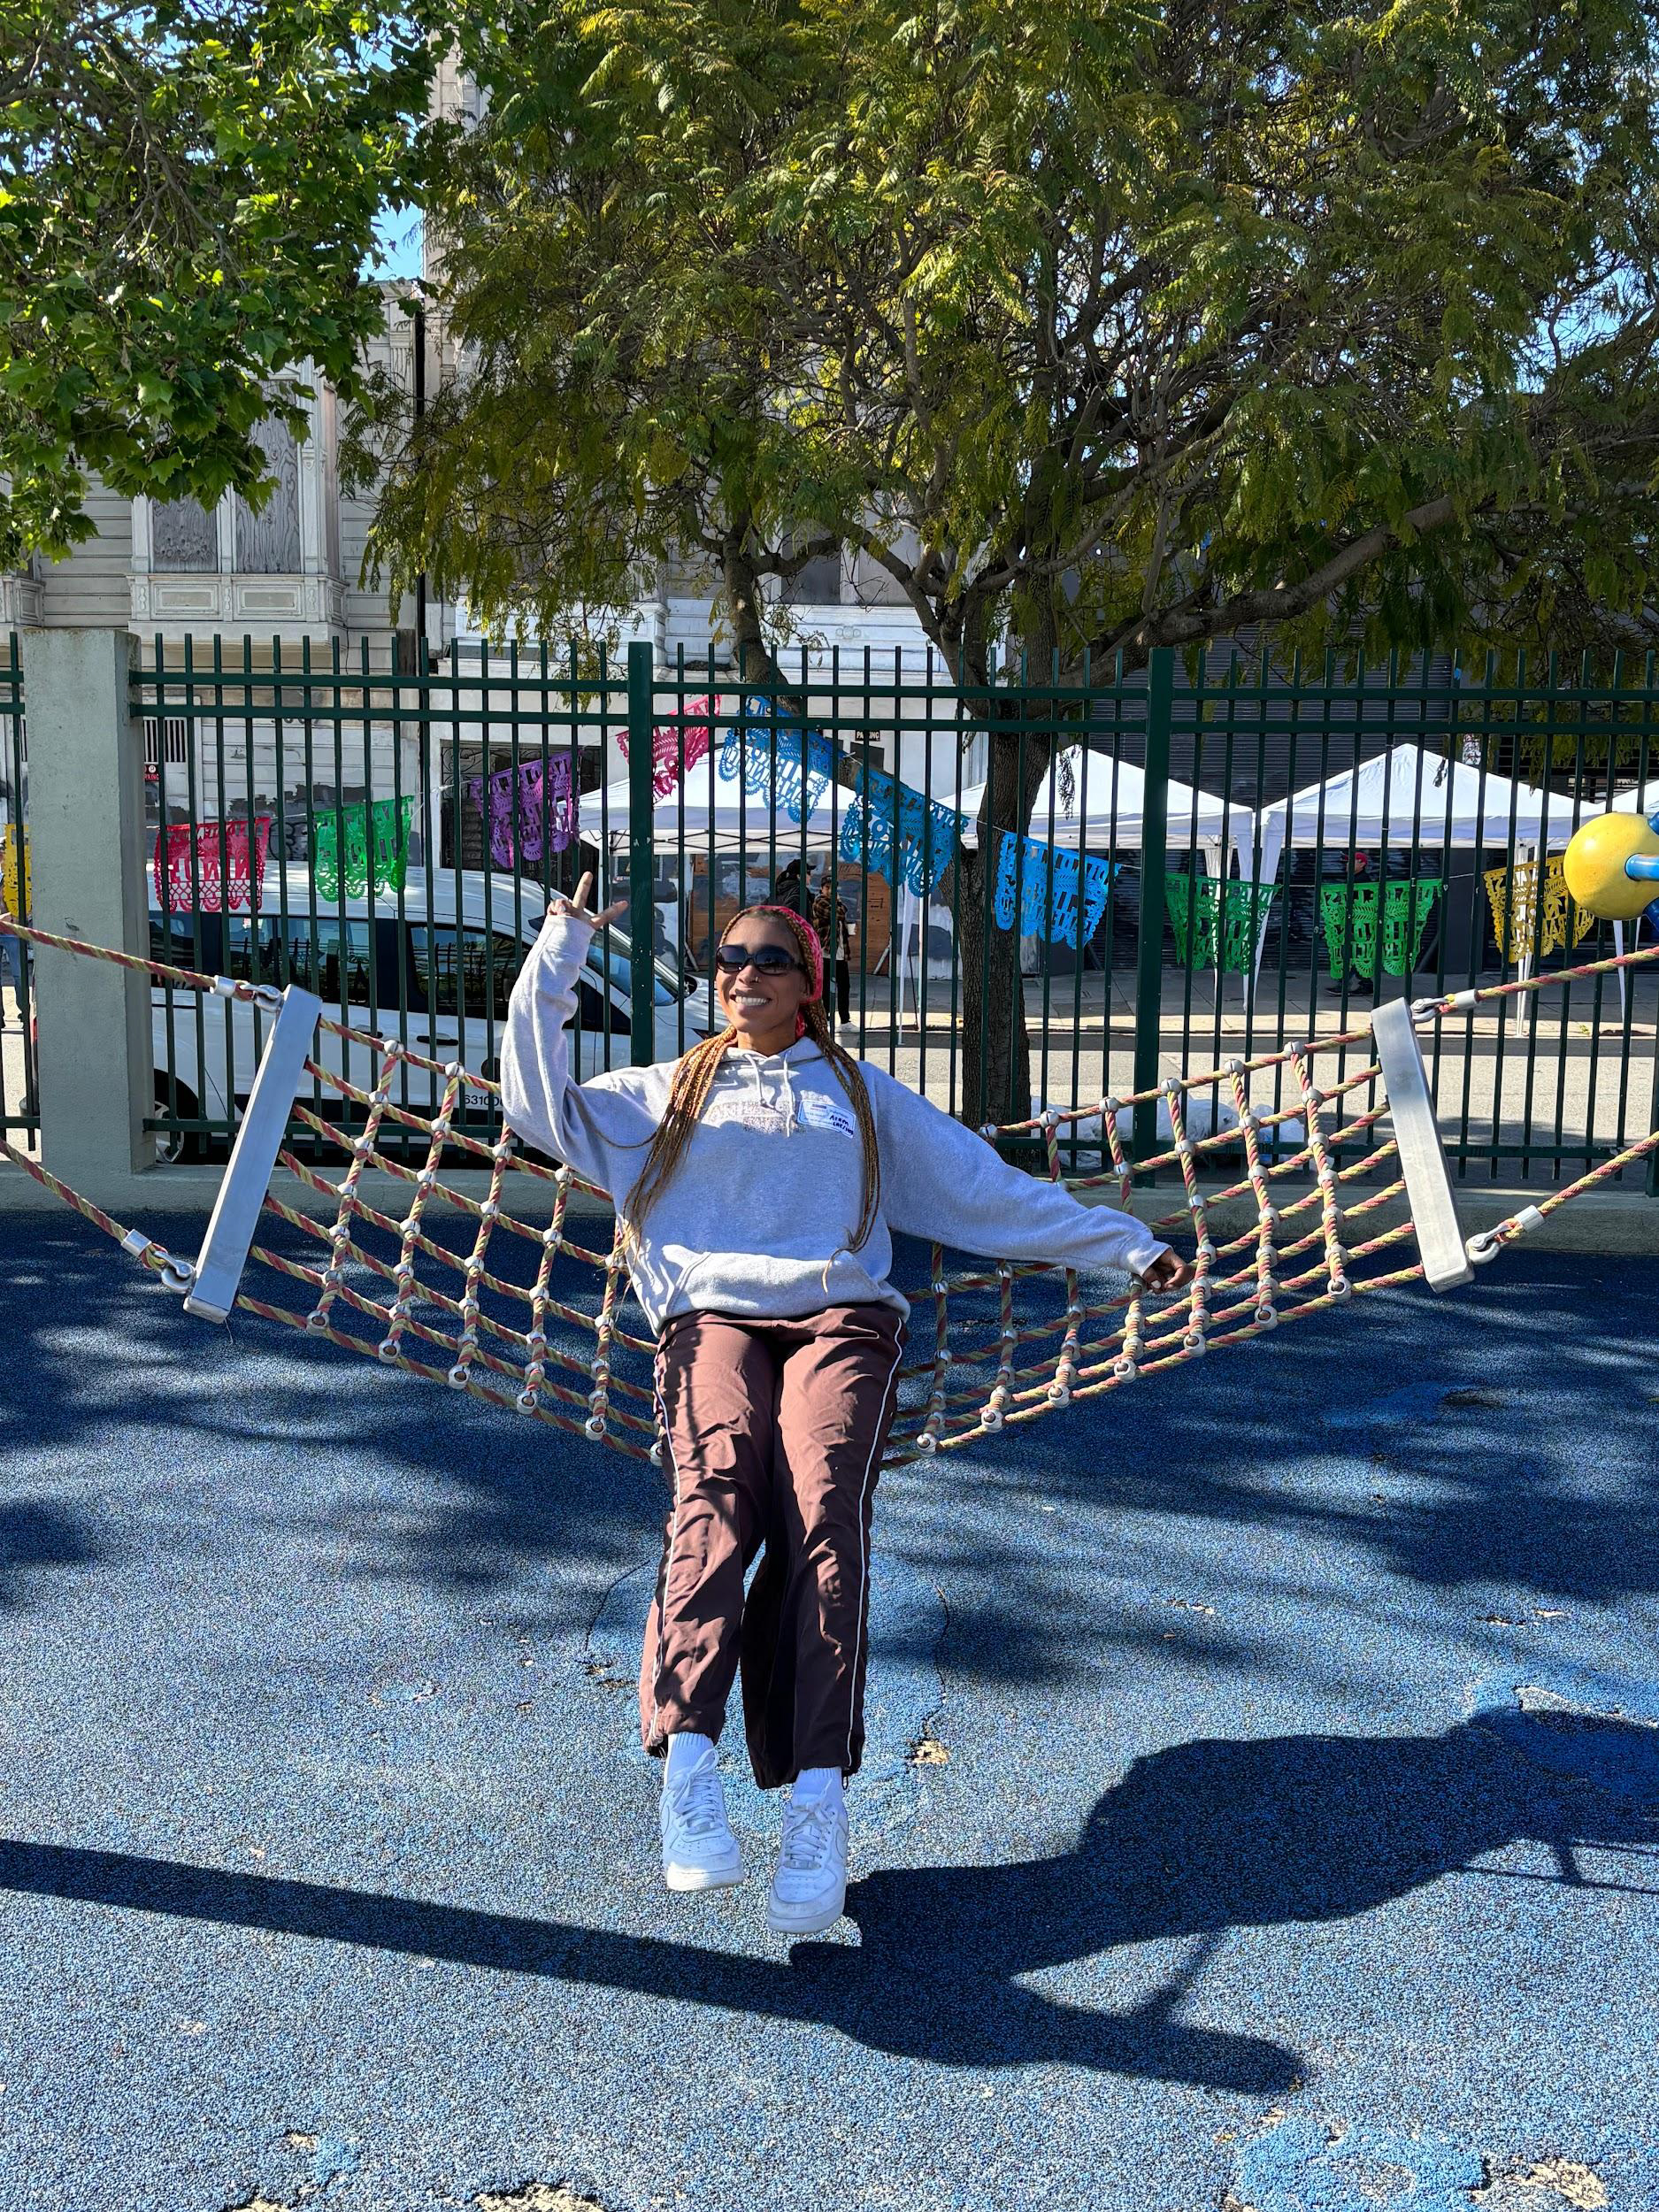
(1009, 1342)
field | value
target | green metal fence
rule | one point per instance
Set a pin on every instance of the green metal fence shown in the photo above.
(1522, 1093)
(19, 1108)
(414, 823)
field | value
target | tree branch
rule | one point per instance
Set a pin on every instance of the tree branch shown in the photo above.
(1282, 603)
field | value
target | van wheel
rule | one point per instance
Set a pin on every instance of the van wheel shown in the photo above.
(176, 1146)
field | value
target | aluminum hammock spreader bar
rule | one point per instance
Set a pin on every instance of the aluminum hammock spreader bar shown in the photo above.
(1433, 1208)
(253, 1159)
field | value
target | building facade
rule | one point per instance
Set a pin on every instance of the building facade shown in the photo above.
(174, 570)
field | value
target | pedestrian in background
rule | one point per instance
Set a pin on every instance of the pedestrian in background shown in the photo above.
(829, 919)
(789, 888)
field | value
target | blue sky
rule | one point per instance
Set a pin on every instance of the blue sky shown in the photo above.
(398, 231)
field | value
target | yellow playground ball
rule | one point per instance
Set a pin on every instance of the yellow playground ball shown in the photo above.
(1595, 866)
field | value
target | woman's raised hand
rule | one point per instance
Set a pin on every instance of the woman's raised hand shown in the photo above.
(576, 905)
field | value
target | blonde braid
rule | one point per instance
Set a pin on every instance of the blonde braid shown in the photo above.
(852, 1082)
(694, 1080)
(688, 1095)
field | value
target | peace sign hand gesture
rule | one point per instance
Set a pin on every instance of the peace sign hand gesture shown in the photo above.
(576, 905)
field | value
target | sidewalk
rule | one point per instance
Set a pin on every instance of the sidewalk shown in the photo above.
(1479, 1062)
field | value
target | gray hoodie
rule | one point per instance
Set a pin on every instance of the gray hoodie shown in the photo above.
(768, 1193)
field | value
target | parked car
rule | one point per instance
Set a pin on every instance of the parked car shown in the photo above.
(414, 969)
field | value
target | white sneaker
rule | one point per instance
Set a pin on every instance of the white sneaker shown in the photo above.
(809, 1890)
(699, 1849)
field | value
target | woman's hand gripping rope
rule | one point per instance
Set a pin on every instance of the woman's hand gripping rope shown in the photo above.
(1168, 1271)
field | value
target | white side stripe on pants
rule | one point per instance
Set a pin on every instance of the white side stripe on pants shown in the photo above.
(668, 1564)
(863, 1541)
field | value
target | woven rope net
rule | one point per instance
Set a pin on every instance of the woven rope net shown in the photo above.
(529, 1309)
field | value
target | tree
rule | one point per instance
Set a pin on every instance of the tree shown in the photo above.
(602, 271)
(189, 195)
(1102, 326)
(1151, 323)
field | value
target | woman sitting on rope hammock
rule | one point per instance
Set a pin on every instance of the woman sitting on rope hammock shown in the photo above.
(758, 1180)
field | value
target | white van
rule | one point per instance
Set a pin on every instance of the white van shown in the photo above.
(408, 968)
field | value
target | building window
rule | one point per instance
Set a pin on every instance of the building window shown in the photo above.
(819, 584)
(268, 543)
(168, 740)
(183, 537)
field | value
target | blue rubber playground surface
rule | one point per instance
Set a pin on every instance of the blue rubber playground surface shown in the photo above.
(1262, 1807)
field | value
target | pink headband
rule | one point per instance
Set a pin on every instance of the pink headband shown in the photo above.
(814, 946)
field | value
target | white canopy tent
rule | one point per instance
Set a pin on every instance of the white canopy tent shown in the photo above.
(1109, 809)
(1106, 812)
(743, 820)
(1409, 799)
(707, 797)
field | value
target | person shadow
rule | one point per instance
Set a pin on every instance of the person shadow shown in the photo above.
(1210, 1836)
(1195, 1840)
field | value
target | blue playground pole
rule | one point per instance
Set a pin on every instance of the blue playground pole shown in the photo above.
(1644, 867)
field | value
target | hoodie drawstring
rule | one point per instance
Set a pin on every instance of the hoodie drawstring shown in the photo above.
(786, 1098)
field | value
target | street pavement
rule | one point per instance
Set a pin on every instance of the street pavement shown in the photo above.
(1263, 1804)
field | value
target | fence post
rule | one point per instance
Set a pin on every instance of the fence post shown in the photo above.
(641, 856)
(88, 848)
(1154, 840)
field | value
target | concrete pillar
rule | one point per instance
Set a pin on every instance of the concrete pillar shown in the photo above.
(88, 850)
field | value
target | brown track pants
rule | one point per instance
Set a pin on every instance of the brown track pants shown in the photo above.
(774, 1432)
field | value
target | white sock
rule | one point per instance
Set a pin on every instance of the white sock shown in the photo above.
(686, 1750)
(815, 1782)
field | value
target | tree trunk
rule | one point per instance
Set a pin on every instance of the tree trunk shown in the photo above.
(995, 1048)
(755, 663)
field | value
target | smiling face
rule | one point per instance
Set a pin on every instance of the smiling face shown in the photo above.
(762, 1008)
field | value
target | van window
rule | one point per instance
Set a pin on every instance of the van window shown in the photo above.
(595, 1014)
(323, 957)
(253, 948)
(616, 965)
(187, 940)
(469, 971)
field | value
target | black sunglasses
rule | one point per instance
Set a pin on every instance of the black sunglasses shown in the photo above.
(765, 959)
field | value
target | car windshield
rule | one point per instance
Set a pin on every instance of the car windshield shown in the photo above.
(615, 964)
(443, 970)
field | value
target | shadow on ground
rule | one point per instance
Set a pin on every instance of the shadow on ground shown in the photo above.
(1197, 1840)
(1534, 1469)
(34, 1534)
(101, 1361)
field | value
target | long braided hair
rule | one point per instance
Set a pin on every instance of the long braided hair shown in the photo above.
(694, 1078)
